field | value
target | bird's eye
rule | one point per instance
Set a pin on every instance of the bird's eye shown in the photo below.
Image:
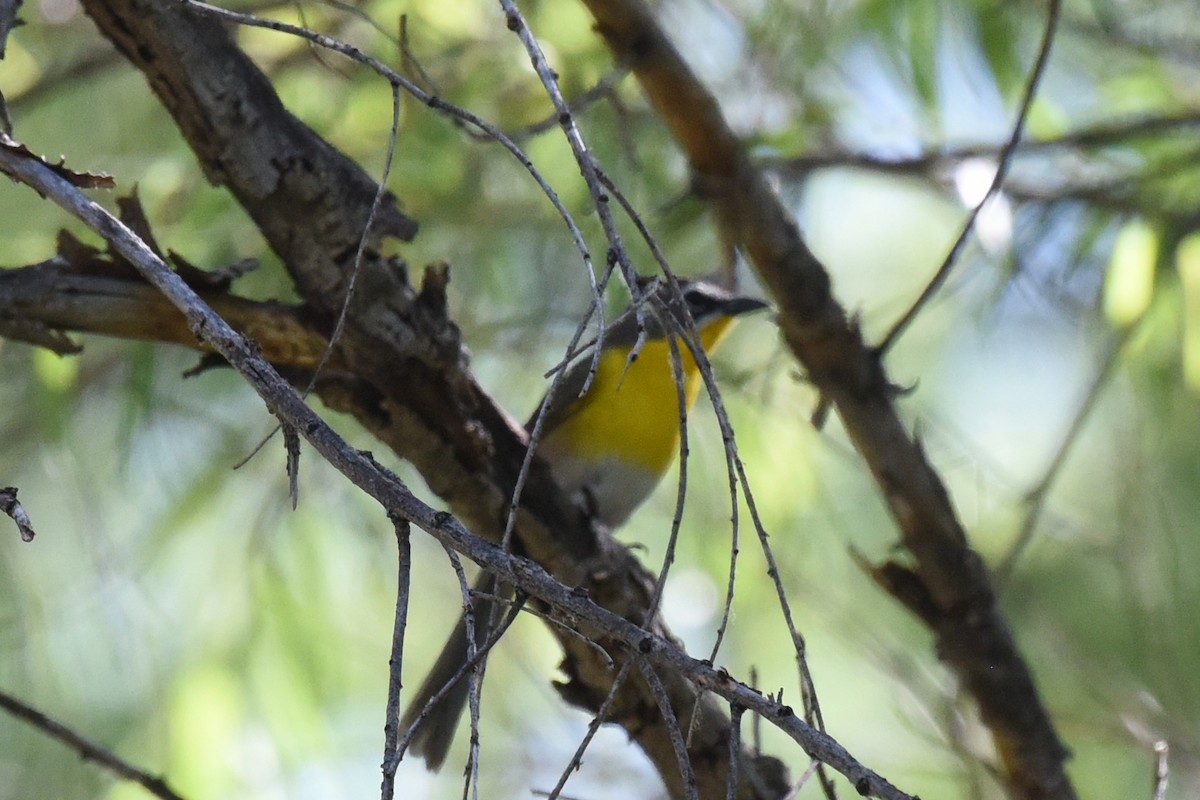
(701, 303)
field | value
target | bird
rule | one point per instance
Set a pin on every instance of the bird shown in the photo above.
(607, 446)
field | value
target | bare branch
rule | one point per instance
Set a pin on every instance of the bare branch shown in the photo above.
(86, 748)
(441, 684)
(598, 719)
(686, 774)
(391, 725)
(1003, 163)
(735, 745)
(1117, 133)
(56, 296)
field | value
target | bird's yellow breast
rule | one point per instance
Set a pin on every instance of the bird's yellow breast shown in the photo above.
(631, 411)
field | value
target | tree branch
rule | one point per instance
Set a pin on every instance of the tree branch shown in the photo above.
(54, 296)
(87, 749)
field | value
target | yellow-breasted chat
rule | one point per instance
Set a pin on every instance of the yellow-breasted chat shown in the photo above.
(609, 446)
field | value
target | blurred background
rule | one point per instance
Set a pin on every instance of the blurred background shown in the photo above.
(181, 614)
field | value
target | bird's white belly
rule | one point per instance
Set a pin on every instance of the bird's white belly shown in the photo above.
(609, 486)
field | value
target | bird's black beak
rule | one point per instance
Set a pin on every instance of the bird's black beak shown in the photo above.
(737, 306)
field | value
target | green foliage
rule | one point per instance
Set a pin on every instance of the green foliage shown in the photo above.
(176, 611)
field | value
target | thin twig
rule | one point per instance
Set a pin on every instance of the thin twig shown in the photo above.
(1004, 162)
(358, 13)
(1106, 134)
(671, 722)
(617, 254)
(391, 725)
(1036, 498)
(605, 87)
(598, 719)
(376, 203)
(87, 749)
(808, 687)
(735, 750)
(473, 668)
(735, 468)
(1127, 190)
(583, 157)
(410, 61)
(550, 620)
(481, 653)
(680, 492)
(347, 299)
(681, 407)
(737, 476)
(596, 310)
(804, 778)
